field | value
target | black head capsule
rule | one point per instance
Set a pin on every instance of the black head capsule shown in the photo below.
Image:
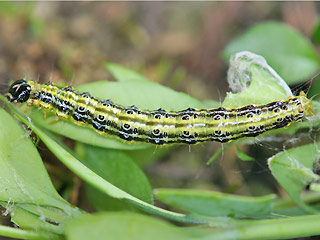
(19, 91)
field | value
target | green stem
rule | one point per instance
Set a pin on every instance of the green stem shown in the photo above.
(311, 197)
(23, 234)
(283, 228)
(98, 182)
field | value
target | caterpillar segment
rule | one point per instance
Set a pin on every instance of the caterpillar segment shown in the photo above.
(160, 127)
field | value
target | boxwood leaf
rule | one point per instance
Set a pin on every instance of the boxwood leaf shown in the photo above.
(24, 180)
(125, 226)
(293, 170)
(210, 203)
(120, 170)
(123, 74)
(253, 81)
(285, 49)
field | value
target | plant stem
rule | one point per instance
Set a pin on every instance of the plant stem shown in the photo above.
(310, 197)
(23, 234)
(283, 228)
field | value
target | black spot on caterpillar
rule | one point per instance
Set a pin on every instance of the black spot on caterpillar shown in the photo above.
(160, 127)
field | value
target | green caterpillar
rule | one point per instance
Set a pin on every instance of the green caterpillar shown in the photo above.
(189, 126)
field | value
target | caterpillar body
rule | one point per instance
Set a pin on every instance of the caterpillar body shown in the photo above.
(189, 126)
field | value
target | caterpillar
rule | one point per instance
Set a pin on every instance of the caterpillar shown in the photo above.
(189, 126)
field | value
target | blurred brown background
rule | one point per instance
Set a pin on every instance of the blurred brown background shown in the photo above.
(176, 43)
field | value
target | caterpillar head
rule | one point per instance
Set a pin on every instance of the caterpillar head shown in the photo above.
(306, 104)
(19, 91)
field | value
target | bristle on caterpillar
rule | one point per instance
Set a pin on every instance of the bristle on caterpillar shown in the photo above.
(189, 126)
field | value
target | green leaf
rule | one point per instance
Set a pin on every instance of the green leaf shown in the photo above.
(95, 180)
(26, 190)
(285, 49)
(123, 74)
(145, 95)
(243, 156)
(17, 233)
(24, 178)
(257, 83)
(293, 170)
(281, 228)
(315, 88)
(214, 204)
(27, 220)
(316, 33)
(124, 226)
(121, 171)
(315, 187)
(209, 103)
(52, 214)
(144, 157)
(287, 207)
(133, 226)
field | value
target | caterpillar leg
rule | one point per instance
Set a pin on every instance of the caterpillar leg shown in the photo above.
(35, 140)
(54, 120)
(27, 109)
